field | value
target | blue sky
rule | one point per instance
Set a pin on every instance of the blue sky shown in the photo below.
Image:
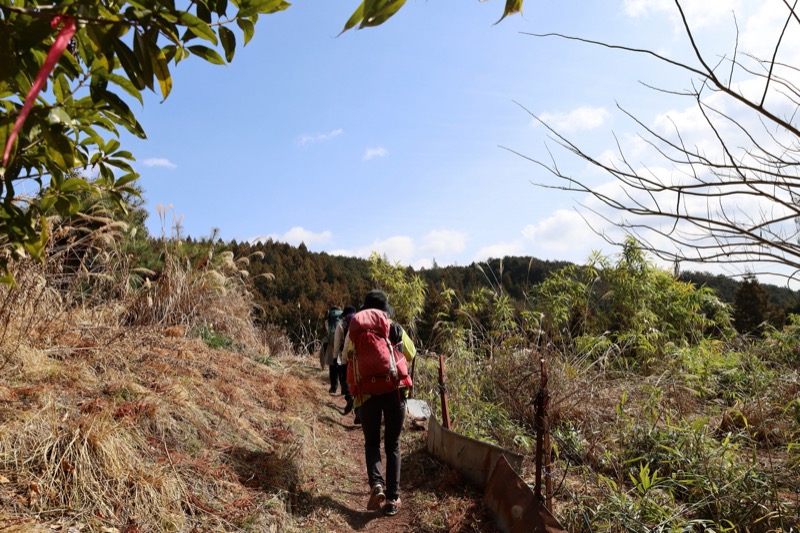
(394, 138)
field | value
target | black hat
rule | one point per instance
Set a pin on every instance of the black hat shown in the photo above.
(348, 310)
(377, 299)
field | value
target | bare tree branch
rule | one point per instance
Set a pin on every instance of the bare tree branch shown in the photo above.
(775, 53)
(731, 197)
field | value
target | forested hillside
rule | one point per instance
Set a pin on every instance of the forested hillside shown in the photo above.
(295, 286)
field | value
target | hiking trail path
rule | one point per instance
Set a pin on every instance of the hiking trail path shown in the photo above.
(338, 491)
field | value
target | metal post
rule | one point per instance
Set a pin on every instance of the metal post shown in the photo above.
(537, 487)
(443, 394)
(543, 450)
(413, 366)
(548, 478)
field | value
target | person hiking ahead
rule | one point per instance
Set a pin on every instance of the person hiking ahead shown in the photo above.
(378, 352)
(326, 357)
(340, 335)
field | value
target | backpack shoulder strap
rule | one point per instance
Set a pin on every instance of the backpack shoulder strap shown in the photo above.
(395, 333)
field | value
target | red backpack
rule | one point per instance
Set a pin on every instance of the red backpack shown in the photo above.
(378, 366)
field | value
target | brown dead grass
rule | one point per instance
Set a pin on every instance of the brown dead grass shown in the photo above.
(146, 430)
(141, 428)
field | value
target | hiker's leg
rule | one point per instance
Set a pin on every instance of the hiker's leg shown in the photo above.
(345, 388)
(333, 372)
(343, 381)
(370, 414)
(394, 406)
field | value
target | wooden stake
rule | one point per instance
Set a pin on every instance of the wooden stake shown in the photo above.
(443, 394)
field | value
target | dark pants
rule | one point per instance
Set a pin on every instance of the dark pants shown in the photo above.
(342, 369)
(333, 372)
(392, 407)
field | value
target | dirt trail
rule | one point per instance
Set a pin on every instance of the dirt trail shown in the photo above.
(340, 489)
(333, 498)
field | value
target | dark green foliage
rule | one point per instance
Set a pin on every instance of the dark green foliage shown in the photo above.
(436, 306)
(517, 275)
(115, 49)
(725, 288)
(294, 287)
(751, 303)
(628, 309)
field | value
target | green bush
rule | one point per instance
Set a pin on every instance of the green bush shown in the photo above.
(215, 340)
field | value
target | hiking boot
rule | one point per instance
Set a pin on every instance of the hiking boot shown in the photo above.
(391, 507)
(376, 498)
(349, 406)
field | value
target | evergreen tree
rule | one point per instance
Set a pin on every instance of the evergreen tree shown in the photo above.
(751, 306)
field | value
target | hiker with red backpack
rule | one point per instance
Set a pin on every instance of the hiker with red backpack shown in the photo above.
(378, 352)
(326, 354)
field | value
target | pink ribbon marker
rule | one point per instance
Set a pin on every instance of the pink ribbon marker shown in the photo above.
(60, 44)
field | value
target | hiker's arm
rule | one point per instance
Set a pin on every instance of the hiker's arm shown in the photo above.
(409, 350)
(347, 350)
(337, 340)
(399, 337)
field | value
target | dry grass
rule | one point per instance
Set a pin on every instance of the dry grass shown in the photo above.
(27, 310)
(212, 296)
(90, 464)
(136, 426)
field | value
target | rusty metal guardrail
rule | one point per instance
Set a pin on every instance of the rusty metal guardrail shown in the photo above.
(513, 503)
(516, 507)
(472, 458)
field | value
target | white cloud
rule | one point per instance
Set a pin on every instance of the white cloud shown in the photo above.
(342, 252)
(499, 250)
(307, 139)
(372, 153)
(443, 242)
(419, 264)
(159, 162)
(298, 235)
(580, 119)
(400, 248)
(436, 244)
(561, 232)
(640, 8)
(760, 36)
(699, 13)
